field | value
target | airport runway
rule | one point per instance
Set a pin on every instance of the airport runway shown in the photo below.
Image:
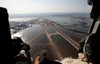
(48, 36)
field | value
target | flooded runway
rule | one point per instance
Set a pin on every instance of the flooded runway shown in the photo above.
(47, 35)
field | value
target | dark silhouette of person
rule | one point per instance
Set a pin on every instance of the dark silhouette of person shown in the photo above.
(17, 47)
(10, 47)
(91, 47)
(95, 12)
(5, 40)
(94, 38)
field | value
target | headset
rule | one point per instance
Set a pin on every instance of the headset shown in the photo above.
(90, 47)
(87, 48)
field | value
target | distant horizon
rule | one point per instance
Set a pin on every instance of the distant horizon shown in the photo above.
(47, 13)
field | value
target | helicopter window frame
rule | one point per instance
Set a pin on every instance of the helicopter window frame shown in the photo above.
(96, 26)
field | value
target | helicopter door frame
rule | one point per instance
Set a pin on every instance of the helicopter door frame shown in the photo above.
(96, 27)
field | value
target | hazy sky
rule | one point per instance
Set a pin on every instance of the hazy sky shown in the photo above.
(45, 6)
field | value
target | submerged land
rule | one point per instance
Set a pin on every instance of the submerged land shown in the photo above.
(45, 34)
(57, 34)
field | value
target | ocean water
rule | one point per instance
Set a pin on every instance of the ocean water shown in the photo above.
(73, 21)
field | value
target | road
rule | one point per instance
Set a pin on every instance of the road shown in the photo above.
(58, 42)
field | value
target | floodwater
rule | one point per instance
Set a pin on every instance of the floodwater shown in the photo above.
(49, 36)
(51, 30)
(65, 48)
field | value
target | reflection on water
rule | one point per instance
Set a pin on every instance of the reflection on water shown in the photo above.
(51, 30)
(28, 33)
(65, 48)
(47, 34)
(42, 39)
(74, 21)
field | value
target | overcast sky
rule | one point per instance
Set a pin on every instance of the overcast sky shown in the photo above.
(45, 6)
